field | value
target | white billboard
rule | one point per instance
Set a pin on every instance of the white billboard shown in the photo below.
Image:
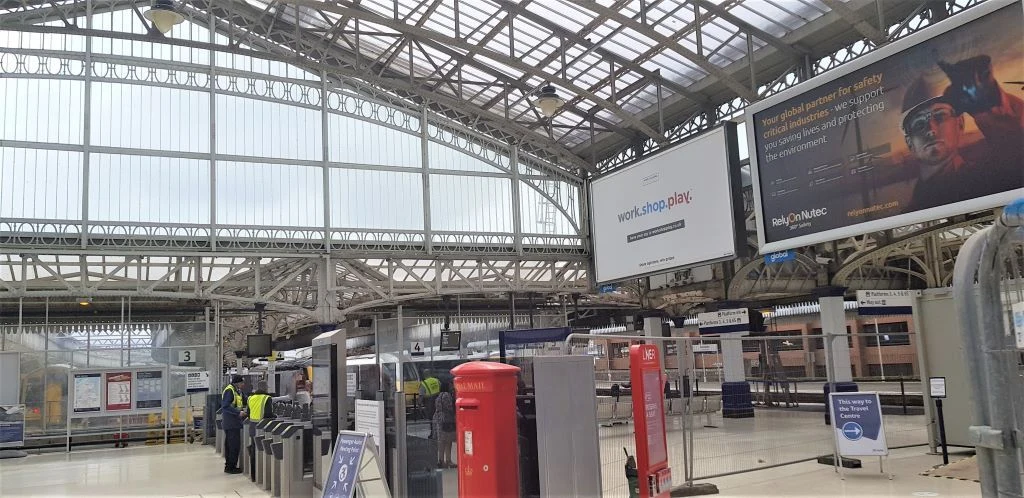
(674, 209)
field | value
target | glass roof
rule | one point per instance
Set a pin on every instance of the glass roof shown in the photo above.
(615, 51)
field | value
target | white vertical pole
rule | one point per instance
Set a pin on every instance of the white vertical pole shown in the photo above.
(878, 348)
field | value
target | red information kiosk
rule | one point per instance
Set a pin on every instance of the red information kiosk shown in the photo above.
(649, 418)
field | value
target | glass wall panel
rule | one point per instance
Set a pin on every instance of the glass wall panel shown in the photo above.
(40, 184)
(471, 204)
(41, 110)
(269, 194)
(149, 189)
(148, 117)
(267, 129)
(376, 199)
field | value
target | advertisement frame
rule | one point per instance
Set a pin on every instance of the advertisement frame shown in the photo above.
(738, 225)
(900, 220)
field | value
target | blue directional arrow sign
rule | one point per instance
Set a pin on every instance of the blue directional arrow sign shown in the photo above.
(852, 431)
(858, 425)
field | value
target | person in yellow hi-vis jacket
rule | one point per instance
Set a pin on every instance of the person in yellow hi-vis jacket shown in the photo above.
(261, 406)
(233, 412)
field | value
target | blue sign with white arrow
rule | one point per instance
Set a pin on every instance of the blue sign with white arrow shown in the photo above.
(857, 419)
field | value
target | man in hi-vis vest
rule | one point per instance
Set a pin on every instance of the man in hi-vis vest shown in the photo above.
(261, 406)
(233, 411)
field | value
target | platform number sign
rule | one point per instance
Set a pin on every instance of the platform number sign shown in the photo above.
(417, 349)
(187, 357)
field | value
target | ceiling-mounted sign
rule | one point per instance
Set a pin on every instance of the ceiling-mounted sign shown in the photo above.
(451, 340)
(779, 257)
(724, 321)
(886, 302)
(923, 128)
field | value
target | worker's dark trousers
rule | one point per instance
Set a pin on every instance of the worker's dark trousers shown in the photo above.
(232, 448)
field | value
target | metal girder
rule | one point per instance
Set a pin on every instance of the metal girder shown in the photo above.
(288, 285)
(796, 51)
(440, 40)
(857, 21)
(671, 44)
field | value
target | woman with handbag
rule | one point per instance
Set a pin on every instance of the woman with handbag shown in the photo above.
(444, 425)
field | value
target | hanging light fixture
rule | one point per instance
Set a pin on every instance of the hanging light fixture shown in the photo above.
(548, 101)
(163, 15)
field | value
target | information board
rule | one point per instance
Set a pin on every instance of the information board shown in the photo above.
(857, 424)
(197, 382)
(12, 426)
(348, 453)
(119, 391)
(451, 340)
(370, 419)
(924, 128)
(88, 392)
(149, 390)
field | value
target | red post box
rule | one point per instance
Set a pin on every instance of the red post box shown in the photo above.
(486, 429)
(647, 383)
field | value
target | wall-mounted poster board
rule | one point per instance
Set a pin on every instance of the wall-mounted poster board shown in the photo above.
(927, 127)
(119, 391)
(149, 389)
(115, 392)
(87, 392)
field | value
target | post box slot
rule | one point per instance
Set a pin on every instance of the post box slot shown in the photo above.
(467, 404)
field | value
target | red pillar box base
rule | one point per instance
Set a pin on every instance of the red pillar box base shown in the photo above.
(485, 411)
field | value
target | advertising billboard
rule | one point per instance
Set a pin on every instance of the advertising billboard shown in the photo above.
(675, 209)
(927, 127)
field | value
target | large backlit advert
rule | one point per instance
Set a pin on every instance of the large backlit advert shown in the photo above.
(672, 210)
(928, 127)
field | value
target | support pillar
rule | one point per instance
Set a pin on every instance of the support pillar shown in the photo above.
(737, 401)
(837, 350)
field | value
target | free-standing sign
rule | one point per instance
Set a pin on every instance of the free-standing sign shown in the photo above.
(12, 426)
(197, 381)
(857, 423)
(348, 453)
(88, 395)
(649, 416)
(937, 387)
(119, 391)
(886, 302)
(924, 128)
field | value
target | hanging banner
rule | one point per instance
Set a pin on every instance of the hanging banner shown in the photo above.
(857, 424)
(88, 389)
(119, 391)
(12, 426)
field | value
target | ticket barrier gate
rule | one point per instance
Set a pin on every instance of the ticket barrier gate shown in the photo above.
(323, 447)
(291, 459)
(264, 458)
